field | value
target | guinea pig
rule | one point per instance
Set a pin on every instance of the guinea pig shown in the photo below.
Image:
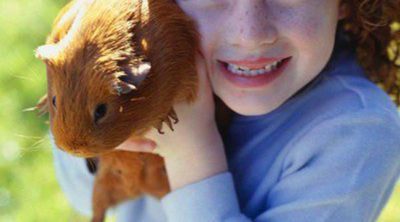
(114, 70)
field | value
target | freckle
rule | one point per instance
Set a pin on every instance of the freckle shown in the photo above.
(121, 109)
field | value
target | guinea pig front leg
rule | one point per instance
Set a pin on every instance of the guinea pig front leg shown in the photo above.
(171, 115)
(100, 201)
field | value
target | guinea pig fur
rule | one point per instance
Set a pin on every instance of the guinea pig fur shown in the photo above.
(94, 56)
(114, 70)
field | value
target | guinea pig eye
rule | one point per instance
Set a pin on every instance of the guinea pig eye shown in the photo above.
(54, 101)
(100, 112)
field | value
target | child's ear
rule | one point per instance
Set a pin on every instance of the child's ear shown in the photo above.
(343, 10)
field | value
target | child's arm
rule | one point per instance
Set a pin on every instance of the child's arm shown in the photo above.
(341, 169)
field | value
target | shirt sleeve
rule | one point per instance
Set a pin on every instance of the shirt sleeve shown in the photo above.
(74, 178)
(342, 169)
(213, 199)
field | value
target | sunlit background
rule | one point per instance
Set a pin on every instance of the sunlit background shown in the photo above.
(28, 187)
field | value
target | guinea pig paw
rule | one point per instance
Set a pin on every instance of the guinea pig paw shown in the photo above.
(170, 119)
(159, 128)
(172, 115)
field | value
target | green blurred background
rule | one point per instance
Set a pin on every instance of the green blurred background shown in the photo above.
(28, 187)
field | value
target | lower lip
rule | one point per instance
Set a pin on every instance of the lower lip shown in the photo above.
(253, 81)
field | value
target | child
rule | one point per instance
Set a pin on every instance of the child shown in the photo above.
(312, 138)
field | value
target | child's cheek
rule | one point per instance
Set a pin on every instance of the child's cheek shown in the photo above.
(302, 23)
(309, 29)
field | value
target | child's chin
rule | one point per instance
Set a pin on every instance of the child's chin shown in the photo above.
(249, 107)
(250, 111)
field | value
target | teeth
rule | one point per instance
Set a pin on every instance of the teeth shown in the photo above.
(252, 72)
(234, 66)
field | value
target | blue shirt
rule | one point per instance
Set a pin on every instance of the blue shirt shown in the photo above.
(329, 153)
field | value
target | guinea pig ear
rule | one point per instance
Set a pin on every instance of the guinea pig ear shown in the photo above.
(50, 52)
(130, 77)
(120, 87)
(47, 53)
(135, 73)
(142, 69)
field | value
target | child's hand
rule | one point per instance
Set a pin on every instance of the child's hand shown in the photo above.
(194, 150)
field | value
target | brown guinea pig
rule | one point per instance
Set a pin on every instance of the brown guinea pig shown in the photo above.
(114, 70)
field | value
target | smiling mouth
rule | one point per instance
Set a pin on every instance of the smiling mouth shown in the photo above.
(246, 71)
(253, 74)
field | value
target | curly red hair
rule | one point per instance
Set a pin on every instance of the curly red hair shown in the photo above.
(374, 28)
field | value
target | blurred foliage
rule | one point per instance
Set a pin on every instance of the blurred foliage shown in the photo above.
(28, 187)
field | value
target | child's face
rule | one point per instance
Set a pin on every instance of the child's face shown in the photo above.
(254, 34)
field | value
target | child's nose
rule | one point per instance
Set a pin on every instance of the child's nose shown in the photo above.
(249, 26)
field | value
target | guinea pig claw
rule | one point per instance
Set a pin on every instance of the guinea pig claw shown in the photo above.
(168, 120)
(169, 123)
(172, 115)
(159, 129)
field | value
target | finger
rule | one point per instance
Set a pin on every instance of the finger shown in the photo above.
(201, 66)
(137, 145)
(204, 103)
(204, 90)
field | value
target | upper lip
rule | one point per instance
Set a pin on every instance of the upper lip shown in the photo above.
(256, 62)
